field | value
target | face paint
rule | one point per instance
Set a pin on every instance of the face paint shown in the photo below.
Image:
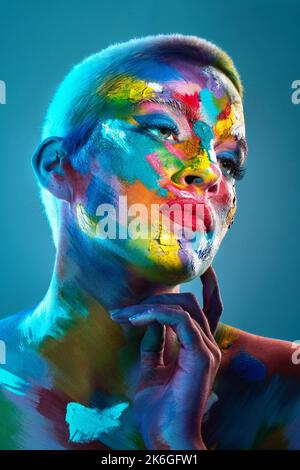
(162, 142)
(13, 383)
(87, 424)
(128, 88)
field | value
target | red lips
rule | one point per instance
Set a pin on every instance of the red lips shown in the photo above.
(190, 214)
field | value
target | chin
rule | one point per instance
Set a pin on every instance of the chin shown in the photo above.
(163, 264)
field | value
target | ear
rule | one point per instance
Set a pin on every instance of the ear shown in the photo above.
(48, 163)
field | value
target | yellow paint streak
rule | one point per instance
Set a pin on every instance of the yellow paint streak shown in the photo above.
(83, 358)
(225, 336)
(202, 165)
(165, 250)
(127, 88)
(230, 215)
(223, 128)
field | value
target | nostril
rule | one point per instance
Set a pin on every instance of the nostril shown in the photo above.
(214, 188)
(191, 179)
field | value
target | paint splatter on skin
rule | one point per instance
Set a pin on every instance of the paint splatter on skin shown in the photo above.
(247, 367)
(86, 424)
(128, 88)
(12, 383)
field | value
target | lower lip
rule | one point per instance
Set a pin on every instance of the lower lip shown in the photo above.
(192, 215)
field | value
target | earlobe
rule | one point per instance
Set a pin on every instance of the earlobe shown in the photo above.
(48, 163)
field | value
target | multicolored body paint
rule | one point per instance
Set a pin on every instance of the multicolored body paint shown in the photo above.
(158, 121)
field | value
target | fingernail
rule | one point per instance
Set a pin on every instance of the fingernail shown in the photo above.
(134, 317)
(137, 316)
(114, 313)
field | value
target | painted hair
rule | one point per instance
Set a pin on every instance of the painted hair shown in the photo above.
(76, 106)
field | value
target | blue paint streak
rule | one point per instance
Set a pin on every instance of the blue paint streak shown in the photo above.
(208, 106)
(248, 368)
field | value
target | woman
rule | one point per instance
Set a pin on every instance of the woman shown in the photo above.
(141, 148)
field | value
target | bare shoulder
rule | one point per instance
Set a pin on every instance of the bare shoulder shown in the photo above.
(17, 359)
(270, 355)
(256, 393)
(10, 333)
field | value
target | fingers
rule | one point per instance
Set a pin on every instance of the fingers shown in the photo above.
(188, 302)
(212, 302)
(194, 344)
(195, 351)
(123, 315)
(152, 346)
(179, 320)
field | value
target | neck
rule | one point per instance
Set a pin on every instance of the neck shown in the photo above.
(73, 327)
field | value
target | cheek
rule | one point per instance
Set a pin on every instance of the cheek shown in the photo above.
(225, 201)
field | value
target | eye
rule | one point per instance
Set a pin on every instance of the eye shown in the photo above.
(231, 168)
(163, 132)
(160, 126)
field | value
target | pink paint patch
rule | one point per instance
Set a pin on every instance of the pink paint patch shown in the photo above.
(174, 150)
(155, 162)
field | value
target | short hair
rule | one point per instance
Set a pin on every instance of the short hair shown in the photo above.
(74, 110)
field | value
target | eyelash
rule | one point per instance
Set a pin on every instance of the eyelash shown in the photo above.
(236, 171)
(172, 129)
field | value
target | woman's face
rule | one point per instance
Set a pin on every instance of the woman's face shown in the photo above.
(161, 142)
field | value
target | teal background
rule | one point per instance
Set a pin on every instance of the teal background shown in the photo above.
(258, 263)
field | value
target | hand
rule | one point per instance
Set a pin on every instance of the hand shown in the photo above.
(170, 399)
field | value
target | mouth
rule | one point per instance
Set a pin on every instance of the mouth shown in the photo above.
(190, 213)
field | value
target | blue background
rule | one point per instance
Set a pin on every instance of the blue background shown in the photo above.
(258, 263)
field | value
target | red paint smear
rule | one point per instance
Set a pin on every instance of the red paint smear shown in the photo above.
(53, 406)
(79, 181)
(192, 103)
(225, 113)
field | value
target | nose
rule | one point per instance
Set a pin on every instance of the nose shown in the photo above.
(202, 172)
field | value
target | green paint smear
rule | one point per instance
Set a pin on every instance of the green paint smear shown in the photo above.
(10, 429)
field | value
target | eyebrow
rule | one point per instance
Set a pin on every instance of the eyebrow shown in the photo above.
(174, 104)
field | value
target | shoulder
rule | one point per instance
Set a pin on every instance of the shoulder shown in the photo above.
(258, 392)
(265, 355)
(19, 364)
(10, 332)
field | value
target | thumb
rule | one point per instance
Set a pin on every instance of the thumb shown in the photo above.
(212, 301)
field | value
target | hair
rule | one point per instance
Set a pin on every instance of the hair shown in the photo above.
(75, 108)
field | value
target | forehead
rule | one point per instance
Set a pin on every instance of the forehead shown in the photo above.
(180, 83)
(182, 89)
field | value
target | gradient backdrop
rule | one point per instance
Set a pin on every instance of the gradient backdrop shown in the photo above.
(258, 263)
